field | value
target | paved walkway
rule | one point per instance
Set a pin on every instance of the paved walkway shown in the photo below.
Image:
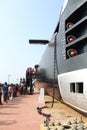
(21, 113)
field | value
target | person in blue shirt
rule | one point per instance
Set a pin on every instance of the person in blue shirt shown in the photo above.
(5, 91)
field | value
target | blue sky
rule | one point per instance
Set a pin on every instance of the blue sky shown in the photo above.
(21, 20)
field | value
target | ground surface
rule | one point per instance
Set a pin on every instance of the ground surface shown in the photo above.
(21, 113)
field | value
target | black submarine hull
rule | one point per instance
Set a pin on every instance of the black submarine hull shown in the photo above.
(64, 61)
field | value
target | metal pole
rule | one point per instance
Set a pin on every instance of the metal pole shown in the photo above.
(9, 79)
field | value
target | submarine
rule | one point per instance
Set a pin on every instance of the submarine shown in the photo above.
(63, 65)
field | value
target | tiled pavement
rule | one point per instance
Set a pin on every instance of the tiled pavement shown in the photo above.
(21, 113)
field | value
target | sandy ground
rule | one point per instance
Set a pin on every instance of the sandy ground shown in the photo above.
(63, 113)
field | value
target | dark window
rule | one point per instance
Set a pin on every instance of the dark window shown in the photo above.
(76, 87)
(72, 87)
(79, 87)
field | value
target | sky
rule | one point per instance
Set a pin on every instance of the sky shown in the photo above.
(21, 20)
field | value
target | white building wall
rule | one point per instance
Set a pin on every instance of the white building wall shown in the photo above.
(78, 100)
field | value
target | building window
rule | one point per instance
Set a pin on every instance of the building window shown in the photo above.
(76, 87)
(79, 87)
(72, 87)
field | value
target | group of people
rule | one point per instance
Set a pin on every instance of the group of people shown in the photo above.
(30, 75)
(8, 92)
(27, 86)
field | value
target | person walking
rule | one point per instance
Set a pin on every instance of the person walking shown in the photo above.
(29, 75)
(5, 91)
(0, 94)
(10, 92)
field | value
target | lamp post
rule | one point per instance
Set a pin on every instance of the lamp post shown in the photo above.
(9, 78)
(17, 81)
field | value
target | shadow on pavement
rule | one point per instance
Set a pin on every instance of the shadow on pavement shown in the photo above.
(7, 122)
